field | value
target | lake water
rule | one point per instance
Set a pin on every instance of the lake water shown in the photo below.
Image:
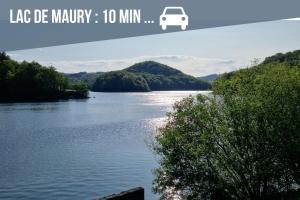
(80, 149)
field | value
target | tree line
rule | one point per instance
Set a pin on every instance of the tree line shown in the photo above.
(30, 81)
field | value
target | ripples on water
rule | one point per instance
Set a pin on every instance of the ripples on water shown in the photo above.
(80, 149)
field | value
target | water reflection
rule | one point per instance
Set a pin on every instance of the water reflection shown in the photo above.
(80, 149)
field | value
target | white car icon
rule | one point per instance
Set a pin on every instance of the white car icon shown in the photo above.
(173, 16)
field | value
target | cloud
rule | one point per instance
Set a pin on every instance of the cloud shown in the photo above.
(14, 55)
(197, 66)
(293, 19)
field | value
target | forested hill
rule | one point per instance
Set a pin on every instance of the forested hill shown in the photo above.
(290, 58)
(29, 81)
(84, 77)
(209, 78)
(147, 76)
(154, 68)
(271, 67)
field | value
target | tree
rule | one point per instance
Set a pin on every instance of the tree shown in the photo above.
(81, 89)
(7, 70)
(29, 81)
(4, 56)
(244, 144)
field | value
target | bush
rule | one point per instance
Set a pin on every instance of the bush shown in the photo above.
(81, 89)
(244, 144)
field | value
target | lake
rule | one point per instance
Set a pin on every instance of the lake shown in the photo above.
(81, 149)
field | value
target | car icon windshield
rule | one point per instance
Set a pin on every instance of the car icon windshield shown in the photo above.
(173, 11)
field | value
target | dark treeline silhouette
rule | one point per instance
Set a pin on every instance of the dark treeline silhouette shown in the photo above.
(29, 81)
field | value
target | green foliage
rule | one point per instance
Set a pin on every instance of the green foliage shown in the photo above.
(4, 56)
(30, 81)
(232, 82)
(242, 144)
(174, 82)
(156, 75)
(155, 68)
(290, 58)
(84, 77)
(162, 77)
(120, 81)
(81, 89)
(184, 146)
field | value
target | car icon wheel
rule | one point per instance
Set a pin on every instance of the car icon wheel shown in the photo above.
(164, 27)
(183, 27)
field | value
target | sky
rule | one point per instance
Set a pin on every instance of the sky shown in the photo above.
(198, 52)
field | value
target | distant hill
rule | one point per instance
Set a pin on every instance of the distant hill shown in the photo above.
(147, 76)
(154, 68)
(120, 81)
(87, 78)
(209, 78)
